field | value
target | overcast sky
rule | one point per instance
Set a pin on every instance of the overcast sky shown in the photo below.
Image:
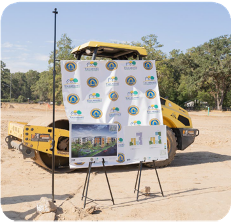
(27, 28)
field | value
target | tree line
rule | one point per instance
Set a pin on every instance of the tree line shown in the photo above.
(201, 74)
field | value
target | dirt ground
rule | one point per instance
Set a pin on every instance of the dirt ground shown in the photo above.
(197, 184)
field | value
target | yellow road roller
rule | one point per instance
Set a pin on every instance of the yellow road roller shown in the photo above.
(34, 139)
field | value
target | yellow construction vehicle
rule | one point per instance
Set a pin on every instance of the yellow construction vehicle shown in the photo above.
(34, 139)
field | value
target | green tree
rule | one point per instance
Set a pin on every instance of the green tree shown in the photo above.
(42, 89)
(5, 81)
(87, 145)
(31, 78)
(21, 99)
(152, 46)
(214, 71)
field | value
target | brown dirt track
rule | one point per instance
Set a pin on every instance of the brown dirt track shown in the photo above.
(196, 185)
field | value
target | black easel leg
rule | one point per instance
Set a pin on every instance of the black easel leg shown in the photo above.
(103, 161)
(85, 183)
(141, 164)
(137, 178)
(158, 178)
(90, 164)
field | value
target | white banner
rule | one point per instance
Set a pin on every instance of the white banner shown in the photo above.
(122, 92)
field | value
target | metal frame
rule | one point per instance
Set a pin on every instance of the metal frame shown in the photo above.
(94, 55)
(139, 177)
(86, 185)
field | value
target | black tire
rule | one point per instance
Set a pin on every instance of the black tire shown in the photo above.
(172, 147)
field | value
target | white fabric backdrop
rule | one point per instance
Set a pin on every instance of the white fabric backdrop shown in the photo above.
(123, 92)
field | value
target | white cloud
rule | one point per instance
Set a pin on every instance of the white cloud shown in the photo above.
(41, 57)
(14, 46)
(7, 45)
(49, 41)
(119, 41)
(5, 58)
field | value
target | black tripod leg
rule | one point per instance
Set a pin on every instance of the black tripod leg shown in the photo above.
(158, 178)
(137, 178)
(141, 164)
(103, 161)
(85, 183)
(90, 164)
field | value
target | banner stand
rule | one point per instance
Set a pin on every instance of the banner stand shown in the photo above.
(139, 177)
(86, 185)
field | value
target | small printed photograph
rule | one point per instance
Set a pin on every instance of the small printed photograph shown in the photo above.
(93, 140)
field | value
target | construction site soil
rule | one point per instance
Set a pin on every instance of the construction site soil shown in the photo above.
(197, 184)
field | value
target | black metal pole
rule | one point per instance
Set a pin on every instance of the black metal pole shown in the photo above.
(103, 161)
(87, 186)
(158, 178)
(53, 127)
(140, 170)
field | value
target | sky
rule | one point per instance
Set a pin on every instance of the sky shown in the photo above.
(27, 29)
(85, 130)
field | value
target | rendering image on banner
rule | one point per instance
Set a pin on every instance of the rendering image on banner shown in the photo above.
(93, 140)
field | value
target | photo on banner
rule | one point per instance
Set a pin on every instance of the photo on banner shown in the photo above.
(92, 142)
(145, 143)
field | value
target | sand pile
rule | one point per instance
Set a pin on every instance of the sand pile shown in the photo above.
(6, 105)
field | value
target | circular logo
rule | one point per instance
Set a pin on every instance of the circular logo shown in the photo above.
(111, 65)
(73, 98)
(113, 96)
(133, 110)
(130, 80)
(154, 122)
(121, 158)
(119, 125)
(92, 82)
(150, 94)
(148, 65)
(96, 113)
(70, 66)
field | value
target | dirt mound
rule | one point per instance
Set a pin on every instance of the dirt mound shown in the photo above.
(7, 105)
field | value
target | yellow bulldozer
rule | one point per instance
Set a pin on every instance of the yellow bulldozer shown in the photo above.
(34, 139)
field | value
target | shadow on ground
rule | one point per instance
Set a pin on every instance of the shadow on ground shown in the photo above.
(193, 158)
(180, 160)
(30, 198)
